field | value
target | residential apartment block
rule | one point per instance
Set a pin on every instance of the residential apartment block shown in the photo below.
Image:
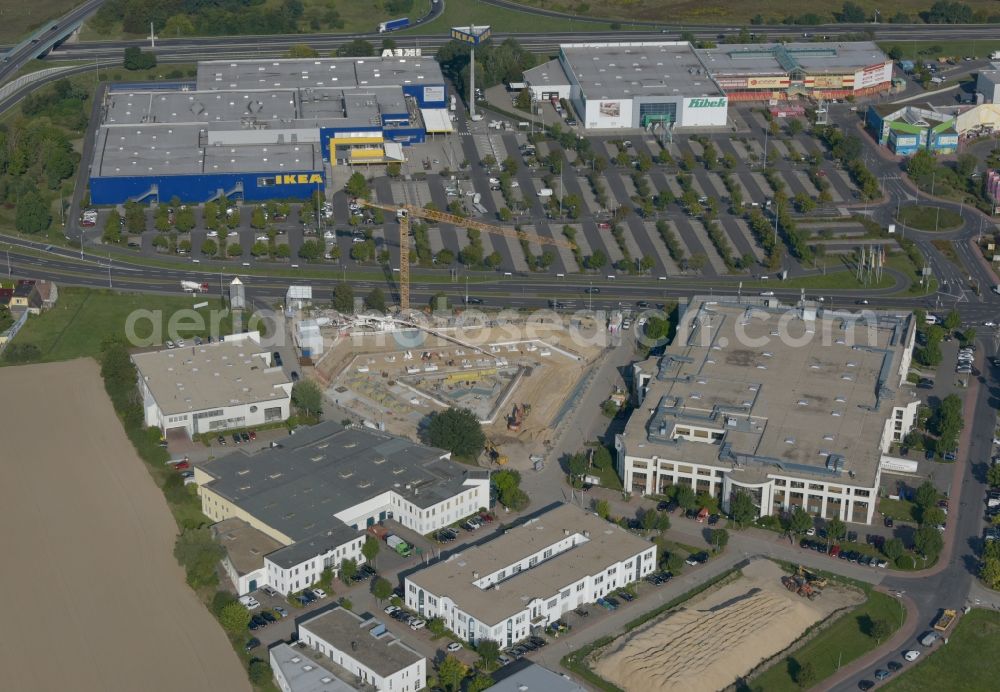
(530, 575)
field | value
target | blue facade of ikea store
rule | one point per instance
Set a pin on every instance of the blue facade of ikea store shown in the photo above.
(200, 188)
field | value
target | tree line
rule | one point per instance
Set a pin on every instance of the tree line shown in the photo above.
(36, 153)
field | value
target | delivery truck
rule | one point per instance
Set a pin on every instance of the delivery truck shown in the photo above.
(393, 25)
(194, 286)
(545, 192)
(398, 544)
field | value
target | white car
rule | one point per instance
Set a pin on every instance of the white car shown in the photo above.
(250, 602)
(514, 183)
(911, 655)
(390, 609)
(767, 293)
(494, 181)
(810, 531)
(212, 234)
(989, 324)
(171, 344)
(320, 593)
(417, 625)
(329, 235)
(454, 646)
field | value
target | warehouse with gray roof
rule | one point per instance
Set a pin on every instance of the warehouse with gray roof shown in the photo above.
(260, 129)
(318, 492)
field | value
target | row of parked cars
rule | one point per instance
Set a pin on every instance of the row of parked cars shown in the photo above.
(521, 649)
(308, 596)
(447, 535)
(854, 556)
(238, 437)
(414, 621)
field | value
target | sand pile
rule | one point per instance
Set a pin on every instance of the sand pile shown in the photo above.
(711, 642)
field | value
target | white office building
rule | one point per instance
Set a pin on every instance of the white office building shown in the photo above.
(364, 652)
(529, 576)
(303, 670)
(209, 388)
(317, 493)
(795, 406)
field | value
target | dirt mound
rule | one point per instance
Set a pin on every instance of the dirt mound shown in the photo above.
(708, 644)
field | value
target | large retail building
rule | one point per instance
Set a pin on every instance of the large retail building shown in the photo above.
(633, 85)
(796, 406)
(261, 129)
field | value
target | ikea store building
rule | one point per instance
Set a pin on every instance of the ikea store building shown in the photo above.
(262, 129)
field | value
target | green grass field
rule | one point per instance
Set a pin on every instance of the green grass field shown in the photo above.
(21, 20)
(967, 662)
(929, 218)
(841, 642)
(83, 318)
(463, 12)
(731, 14)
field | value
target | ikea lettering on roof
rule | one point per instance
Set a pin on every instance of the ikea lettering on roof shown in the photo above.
(707, 103)
(298, 179)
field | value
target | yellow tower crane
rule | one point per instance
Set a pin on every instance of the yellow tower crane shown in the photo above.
(404, 211)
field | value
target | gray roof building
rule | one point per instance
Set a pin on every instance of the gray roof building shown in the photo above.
(321, 471)
(623, 70)
(760, 59)
(365, 641)
(302, 672)
(805, 390)
(207, 376)
(300, 73)
(518, 677)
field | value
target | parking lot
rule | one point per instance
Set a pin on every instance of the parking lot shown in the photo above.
(692, 229)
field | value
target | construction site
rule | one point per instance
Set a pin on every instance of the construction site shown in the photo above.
(519, 385)
(721, 635)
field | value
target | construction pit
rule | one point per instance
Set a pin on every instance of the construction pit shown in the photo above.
(519, 386)
(720, 636)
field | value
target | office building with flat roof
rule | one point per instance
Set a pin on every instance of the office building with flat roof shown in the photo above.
(210, 388)
(529, 576)
(260, 129)
(318, 492)
(795, 406)
(297, 669)
(364, 650)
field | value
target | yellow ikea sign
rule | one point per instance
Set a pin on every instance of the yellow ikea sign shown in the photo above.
(298, 179)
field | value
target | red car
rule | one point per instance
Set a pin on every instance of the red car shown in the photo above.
(183, 465)
(253, 435)
(486, 516)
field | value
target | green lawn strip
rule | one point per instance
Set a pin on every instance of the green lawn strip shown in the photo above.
(932, 50)
(929, 217)
(842, 642)
(502, 19)
(967, 662)
(83, 318)
(576, 661)
(900, 510)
